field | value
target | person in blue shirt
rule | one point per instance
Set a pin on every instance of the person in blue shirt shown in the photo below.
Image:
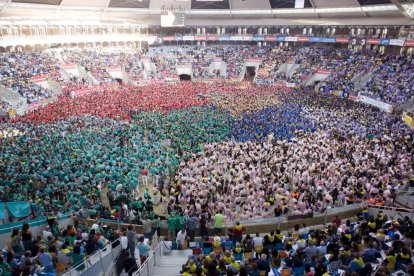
(46, 260)
(143, 249)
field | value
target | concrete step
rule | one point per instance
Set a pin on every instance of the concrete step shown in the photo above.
(171, 264)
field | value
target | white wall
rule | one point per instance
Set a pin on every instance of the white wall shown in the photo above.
(184, 69)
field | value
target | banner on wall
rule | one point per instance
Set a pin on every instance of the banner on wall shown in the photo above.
(224, 38)
(342, 40)
(254, 60)
(168, 38)
(258, 38)
(409, 43)
(179, 37)
(397, 42)
(280, 38)
(19, 209)
(322, 71)
(381, 105)
(200, 37)
(38, 79)
(85, 91)
(212, 37)
(271, 38)
(373, 41)
(265, 82)
(291, 38)
(280, 84)
(241, 38)
(385, 41)
(188, 38)
(328, 40)
(303, 39)
(315, 39)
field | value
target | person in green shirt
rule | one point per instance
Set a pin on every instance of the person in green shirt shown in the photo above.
(218, 222)
(180, 222)
(5, 268)
(171, 222)
(156, 225)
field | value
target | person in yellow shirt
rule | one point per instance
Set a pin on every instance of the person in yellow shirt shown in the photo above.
(235, 266)
(390, 261)
(227, 257)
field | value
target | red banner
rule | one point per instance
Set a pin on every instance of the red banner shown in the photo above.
(168, 38)
(154, 81)
(353, 97)
(85, 91)
(271, 38)
(212, 37)
(373, 41)
(254, 60)
(69, 66)
(200, 37)
(303, 39)
(280, 84)
(322, 72)
(342, 40)
(409, 43)
(39, 78)
(34, 106)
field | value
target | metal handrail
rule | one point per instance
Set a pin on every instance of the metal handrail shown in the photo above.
(88, 262)
(393, 209)
(145, 266)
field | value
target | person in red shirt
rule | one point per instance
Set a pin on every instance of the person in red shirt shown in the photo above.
(237, 232)
(144, 176)
(337, 221)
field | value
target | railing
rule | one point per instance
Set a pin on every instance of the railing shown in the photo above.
(98, 263)
(393, 211)
(404, 198)
(8, 227)
(147, 268)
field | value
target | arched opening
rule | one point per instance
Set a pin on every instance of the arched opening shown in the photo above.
(185, 77)
(250, 72)
(28, 48)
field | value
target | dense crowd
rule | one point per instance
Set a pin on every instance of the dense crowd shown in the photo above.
(370, 245)
(17, 69)
(226, 147)
(240, 150)
(389, 76)
(393, 80)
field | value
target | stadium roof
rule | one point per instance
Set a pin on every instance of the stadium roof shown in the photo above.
(200, 12)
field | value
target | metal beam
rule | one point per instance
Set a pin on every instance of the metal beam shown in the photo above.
(106, 8)
(5, 5)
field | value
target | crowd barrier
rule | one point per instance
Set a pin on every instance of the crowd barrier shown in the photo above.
(100, 262)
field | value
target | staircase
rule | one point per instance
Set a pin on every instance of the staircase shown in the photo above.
(223, 69)
(171, 265)
(86, 75)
